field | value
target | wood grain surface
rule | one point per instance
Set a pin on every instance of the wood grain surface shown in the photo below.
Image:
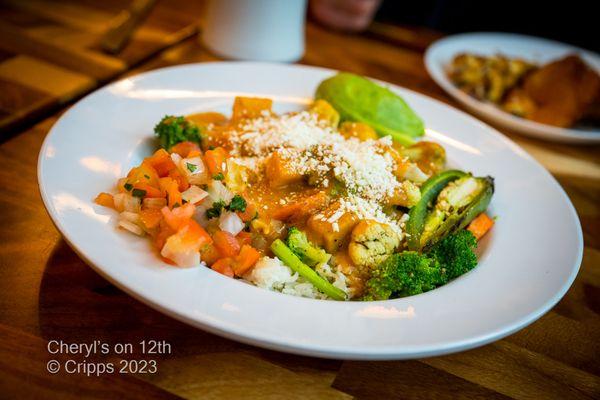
(48, 293)
(50, 51)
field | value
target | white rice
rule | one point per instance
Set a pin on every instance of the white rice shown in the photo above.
(270, 273)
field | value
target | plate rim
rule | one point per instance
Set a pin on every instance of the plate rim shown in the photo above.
(491, 112)
(386, 352)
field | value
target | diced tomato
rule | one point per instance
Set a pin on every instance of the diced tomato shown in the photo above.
(183, 247)
(150, 217)
(226, 243)
(182, 182)
(151, 191)
(184, 148)
(170, 262)
(215, 160)
(161, 161)
(177, 216)
(194, 234)
(105, 200)
(163, 233)
(245, 260)
(194, 153)
(170, 186)
(209, 254)
(145, 173)
(249, 213)
(244, 238)
(223, 266)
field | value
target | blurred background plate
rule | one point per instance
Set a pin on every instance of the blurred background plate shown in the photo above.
(440, 54)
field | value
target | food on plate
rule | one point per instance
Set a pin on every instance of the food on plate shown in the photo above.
(563, 91)
(560, 93)
(321, 203)
(358, 99)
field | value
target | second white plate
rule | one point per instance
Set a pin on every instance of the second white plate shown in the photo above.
(440, 54)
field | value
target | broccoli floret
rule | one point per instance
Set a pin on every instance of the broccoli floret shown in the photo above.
(404, 274)
(409, 273)
(310, 254)
(455, 253)
(172, 130)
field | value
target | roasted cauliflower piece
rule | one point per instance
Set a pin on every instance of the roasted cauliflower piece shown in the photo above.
(371, 243)
(430, 157)
(405, 195)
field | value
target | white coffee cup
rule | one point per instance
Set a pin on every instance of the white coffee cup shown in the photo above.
(260, 30)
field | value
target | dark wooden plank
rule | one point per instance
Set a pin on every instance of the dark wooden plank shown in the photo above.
(406, 380)
(16, 96)
(66, 35)
(23, 374)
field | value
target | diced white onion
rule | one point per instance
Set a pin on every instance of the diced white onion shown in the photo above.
(132, 204)
(199, 175)
(131, 227)
(194, 194)
(129, 216)
(119, 200)
(179, 253)
(230, 222)
(217, 191)
(176, 158)
(154, 203)
(413, 173)
(200, 212)
(277, 226)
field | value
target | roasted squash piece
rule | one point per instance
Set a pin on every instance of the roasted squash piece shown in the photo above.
(325, 112)
(359, 130)
(279, 171)
(250, 107)
(331, 235)
(206, 118)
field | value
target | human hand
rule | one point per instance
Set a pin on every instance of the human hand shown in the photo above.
(345, 15)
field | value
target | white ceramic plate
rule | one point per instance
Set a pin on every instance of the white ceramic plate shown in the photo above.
(440, 54)
(527, 264)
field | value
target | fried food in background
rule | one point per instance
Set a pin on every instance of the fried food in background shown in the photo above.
(487, 78)
(562, 90)
(560, 93)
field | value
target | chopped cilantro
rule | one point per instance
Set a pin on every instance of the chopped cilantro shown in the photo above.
(237, 204)
(219, 177)
(215, 210)
(146, 176)
(128, 186)
(176, 205)
(191, 167)
(138, 193)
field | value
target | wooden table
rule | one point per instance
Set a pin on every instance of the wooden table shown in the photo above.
(48, 293)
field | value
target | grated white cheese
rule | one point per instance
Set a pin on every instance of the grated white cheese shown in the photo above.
(312, 148)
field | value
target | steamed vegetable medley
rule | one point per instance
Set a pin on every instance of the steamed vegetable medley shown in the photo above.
(335, 202)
